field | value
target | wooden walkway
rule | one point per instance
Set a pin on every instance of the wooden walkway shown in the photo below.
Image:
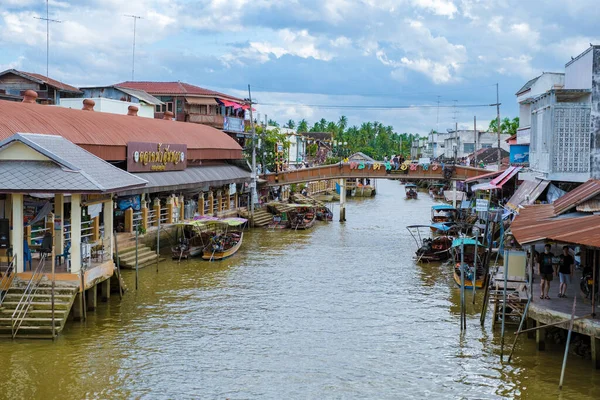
(558, 309)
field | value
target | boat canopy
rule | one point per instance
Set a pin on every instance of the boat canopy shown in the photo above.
(205, 218)
(234, 221)
(410, 185)
(441, 226)
(197, 223)
(439, 207)
(465, 241)
(437, 184)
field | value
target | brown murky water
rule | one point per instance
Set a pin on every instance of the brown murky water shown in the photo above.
(340, 311)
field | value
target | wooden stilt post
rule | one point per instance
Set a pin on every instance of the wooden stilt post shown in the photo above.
(564, 364)
(504, 304)
(463, 323)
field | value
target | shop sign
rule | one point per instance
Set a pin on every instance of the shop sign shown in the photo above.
(481, 205)
(155, 157)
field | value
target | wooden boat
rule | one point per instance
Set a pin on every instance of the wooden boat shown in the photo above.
(430, 249)
(279, 222)
(226, 238)
(436, 191)
(303, 216)
(324, 214)
(411, 191)
(474, 273)
(443, 213)
(324, 197)
(189, 241)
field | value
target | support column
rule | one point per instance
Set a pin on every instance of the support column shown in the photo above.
(454, 195)
(342, 200)
(16, 237)
(91, 298)
(181, 208)
(157, 210)
(129, 220)
(144, 218)
(77, 309)
(211, 203)
(595, 351)
(59, 215)
(75, 233)
(95, 228)
(169, 211)
(107, 210)
(201, 203)
(105, 290)
(540, 339)
(219, 201)
(530, 325)
(236, 201)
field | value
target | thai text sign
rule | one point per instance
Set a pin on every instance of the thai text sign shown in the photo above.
(149, 157)
(481, 205)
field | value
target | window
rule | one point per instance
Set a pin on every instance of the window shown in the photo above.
(203, 109)
(468, 147)
(169, 106)
(158, 108)
(486, 146)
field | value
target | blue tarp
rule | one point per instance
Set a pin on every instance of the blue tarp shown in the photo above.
(466, 241)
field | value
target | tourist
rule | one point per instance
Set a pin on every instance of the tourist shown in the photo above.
(566, 266)
(396, 162)
(546, 271)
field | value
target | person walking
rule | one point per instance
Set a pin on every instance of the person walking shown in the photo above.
(546, 271)
(566, 267)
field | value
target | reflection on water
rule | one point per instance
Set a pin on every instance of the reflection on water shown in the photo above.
(341, 311)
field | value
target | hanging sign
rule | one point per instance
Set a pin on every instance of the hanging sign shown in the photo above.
(481, 205)
(154, 157)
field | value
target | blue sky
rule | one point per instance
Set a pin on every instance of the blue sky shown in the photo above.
(295, 53)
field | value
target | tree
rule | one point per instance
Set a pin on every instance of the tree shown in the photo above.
(290, 124)
(506, 125)
(342, 123)
(302, 126)
(273, 123)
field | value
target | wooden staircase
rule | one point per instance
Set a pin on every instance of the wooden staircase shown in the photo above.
(261, 216)
(37, 323)
(126, 248)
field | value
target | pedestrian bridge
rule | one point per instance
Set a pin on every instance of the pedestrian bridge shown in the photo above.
(349, 170)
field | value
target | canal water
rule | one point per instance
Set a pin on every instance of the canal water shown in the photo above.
(341, 311)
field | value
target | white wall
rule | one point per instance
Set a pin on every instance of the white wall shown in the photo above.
(578, 74)
(110, 106)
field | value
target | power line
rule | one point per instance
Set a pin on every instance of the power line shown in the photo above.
(367, 107)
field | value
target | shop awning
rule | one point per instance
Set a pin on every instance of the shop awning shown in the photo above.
(527, 193)
(201, 101)
(228, 103)
(192, 178)
(484, 176)
(498, 181)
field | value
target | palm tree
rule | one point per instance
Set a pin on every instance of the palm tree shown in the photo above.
(290, 124)
(303, 126)
(343, 123)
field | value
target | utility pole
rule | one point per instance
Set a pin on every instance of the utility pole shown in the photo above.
(48, 20)
(135, 18)
(455, 147)
(437, 121)
(476, 141)
(253, 176)
(264, 147)
(498, 113)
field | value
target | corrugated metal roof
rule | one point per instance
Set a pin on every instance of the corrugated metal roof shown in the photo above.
(592, 205)
(528, 85)
(484, 176)
(70, 168)
(212, 175)
(528, 189)
(141, 95)
(588, 190)
(108, 134)
(44, 79)
(175, 88)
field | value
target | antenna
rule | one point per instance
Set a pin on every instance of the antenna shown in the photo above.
(437, 120)
(135, 18)
(48, 20)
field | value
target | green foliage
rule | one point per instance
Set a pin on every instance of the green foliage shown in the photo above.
(312, 149)
(273, 123)
(506, 125)
(266, 151)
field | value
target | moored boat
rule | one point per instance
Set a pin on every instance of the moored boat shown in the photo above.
(324, 214)
(303, 216)
(188, 240)
(472, 262)
(430, 249)
(443, 213)
(436, 191)
(411, 191)
(225, 240)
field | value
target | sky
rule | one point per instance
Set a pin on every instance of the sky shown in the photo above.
(313, 59)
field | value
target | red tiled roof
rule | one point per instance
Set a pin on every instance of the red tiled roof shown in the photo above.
(52, 82)
(175, 88)
(106, 135)
(577, 196)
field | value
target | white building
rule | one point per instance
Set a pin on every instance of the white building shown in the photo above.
(565, 123)
(110, 106)
(418, 148)
(297, 144)
(465, 142)
(436, 144)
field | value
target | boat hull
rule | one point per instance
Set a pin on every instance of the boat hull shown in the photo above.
(220, 255)
(468, 282)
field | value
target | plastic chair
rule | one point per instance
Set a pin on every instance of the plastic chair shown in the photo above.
(27, 258)
(64, 254)
(46, 247)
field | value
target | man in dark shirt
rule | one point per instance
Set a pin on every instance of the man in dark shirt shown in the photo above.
(565, 271)
(546, 271)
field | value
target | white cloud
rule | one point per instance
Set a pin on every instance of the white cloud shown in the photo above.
(440, 7)
(518, 66)
(573, 46)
